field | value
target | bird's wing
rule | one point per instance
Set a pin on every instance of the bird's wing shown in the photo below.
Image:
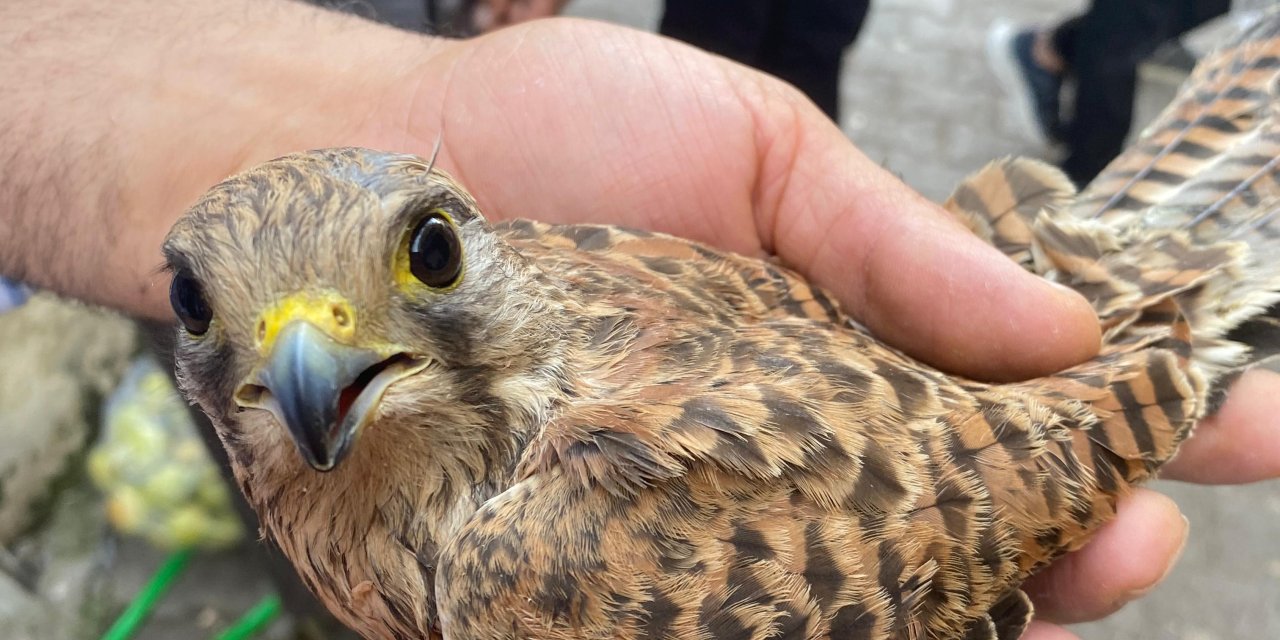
(1211, 157)
(1207, 175)
(815, 483)
(723, 282)
(1189, 211)
(1000, 203)
(711, 556)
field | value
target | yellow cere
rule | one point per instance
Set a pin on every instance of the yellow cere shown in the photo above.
(327, 311)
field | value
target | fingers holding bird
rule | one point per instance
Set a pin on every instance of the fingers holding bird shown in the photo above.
(1241, 442)
(1047, 631)
(746, 163)
(1129, 556)
(900, 263)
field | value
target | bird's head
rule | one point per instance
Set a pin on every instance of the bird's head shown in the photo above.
(326, 293)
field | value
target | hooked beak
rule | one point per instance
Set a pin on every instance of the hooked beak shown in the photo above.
(322, 390)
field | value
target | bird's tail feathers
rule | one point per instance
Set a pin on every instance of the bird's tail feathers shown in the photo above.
(1143, 392)
(1108, 424)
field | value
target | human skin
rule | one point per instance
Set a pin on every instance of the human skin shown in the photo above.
(114, 118)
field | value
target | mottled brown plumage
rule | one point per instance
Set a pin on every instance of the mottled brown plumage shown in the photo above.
(593, 432)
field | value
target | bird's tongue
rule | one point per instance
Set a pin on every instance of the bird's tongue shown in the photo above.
(346, 399)
(352, 392)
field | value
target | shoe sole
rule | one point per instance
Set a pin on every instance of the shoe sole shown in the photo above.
(1009, 76)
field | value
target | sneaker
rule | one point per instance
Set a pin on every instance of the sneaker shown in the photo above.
(1034, 91)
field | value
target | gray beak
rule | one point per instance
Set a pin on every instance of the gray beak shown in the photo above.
(311, 382)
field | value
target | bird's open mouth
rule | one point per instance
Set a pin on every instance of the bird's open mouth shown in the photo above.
(324, 392)
(325, 436)
(358, 401)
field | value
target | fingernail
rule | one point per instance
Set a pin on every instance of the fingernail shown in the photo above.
(1067, 293)
(1061, 287)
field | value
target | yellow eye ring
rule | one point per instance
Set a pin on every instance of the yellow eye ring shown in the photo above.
(431, 254)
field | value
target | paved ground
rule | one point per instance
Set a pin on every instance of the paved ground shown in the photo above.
(919, 99)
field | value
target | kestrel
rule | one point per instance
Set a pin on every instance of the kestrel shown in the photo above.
(460, 429)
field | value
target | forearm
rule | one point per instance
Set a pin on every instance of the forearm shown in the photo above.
(117, 117)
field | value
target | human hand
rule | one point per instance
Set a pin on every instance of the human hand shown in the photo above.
(569, 121)
(488, 15)
(702, 148)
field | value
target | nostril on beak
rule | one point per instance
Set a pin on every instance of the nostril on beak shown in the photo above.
(340, 315)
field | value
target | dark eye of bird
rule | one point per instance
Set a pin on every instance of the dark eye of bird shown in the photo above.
(435, 253)
(189, 304)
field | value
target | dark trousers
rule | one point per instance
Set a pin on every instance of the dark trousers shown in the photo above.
(1102, 49)
(800, 41)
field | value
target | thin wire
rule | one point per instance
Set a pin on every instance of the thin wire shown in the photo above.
(1235, 191)
(1256, 224)
(431, 164)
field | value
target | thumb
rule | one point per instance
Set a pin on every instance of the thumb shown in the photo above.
(905, 267)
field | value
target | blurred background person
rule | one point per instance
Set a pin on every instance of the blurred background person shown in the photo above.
(1099, 50)
(800, 41)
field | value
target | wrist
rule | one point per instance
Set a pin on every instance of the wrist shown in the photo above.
(126, 116)
(327, 80)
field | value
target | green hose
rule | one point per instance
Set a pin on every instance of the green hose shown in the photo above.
(136, 613)
(253, 620)
(145, 601)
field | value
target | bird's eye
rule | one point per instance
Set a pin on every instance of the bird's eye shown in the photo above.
(435, 253)
(189, 304)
